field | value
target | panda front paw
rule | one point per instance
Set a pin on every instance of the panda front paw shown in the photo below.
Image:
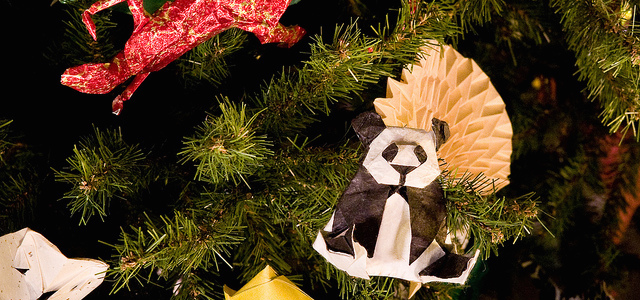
(449, 266)
(339, 241)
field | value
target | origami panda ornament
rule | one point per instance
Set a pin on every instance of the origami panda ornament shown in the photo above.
(390, 219)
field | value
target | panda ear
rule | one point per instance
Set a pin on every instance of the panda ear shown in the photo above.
(367, 126)
(441, 129)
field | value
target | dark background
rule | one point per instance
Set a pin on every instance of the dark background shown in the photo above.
(50, 118)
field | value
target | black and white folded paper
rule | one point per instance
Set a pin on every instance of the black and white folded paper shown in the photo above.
(390, 219)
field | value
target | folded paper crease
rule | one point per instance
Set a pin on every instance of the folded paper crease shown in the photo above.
(391, 219)
(30, 265)
(447, 86)
(266, 285)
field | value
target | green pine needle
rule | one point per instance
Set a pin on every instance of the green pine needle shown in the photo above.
(606, 46)
(207, 60)
(101, 167)
(226, 148)
(487, 219)
(178, 245)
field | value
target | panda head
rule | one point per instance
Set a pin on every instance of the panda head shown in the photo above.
(400, 155)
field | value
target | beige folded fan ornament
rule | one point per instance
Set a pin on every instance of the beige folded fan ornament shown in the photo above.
(30, 265)
(447, 86)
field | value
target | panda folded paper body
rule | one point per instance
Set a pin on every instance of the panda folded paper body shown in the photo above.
(30, 265)
(390, 219)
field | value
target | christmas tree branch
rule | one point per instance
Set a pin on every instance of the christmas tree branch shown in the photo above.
(207, 60)
(195, 286)
(177, 246)
(225, 148)
(351, 63)
(18, 197)
(487, 219)
(101, 167)
(78, 46)
(19, 182)
(602, 35)
(299, 189)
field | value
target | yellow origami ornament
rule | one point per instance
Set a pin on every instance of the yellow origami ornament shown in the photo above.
(267, 285)
(447, 86)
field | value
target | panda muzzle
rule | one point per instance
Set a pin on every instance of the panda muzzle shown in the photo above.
(403, 171)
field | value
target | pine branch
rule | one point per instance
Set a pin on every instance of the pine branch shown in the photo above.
(585, 208)
(101, 167)
(475, 12)
(304, 183)
(208, 60)
(524, 21)
(595, 182)
(78, 46)
(19, 181)
(417, 25)
(200, 239)
(351, 288)
(18, 198)
(299, 188)
(602, 34)
(332, 74)
(488, 220)
(194, 286)
(351, 63)
(225, 148)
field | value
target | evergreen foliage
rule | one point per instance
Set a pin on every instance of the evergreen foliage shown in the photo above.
(225, 147)
(19, 183)
(176, 247)
(102, 167)
(78, 46)
(488, 219)
(341, 70)
(602, 34)
(207, 61)
(254, 182)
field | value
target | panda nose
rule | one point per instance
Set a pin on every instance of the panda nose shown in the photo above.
(403, 170)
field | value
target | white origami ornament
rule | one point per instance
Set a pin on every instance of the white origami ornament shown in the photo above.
(447, 86)
(30, 266)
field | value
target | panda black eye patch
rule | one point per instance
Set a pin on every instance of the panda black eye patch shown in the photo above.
(420, 154)
(390, 152)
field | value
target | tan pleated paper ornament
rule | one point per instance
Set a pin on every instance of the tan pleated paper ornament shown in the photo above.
(447, 86)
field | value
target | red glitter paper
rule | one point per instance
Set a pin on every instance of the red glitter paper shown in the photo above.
(174, 29)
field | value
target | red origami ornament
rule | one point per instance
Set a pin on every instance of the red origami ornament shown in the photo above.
(174, 29)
